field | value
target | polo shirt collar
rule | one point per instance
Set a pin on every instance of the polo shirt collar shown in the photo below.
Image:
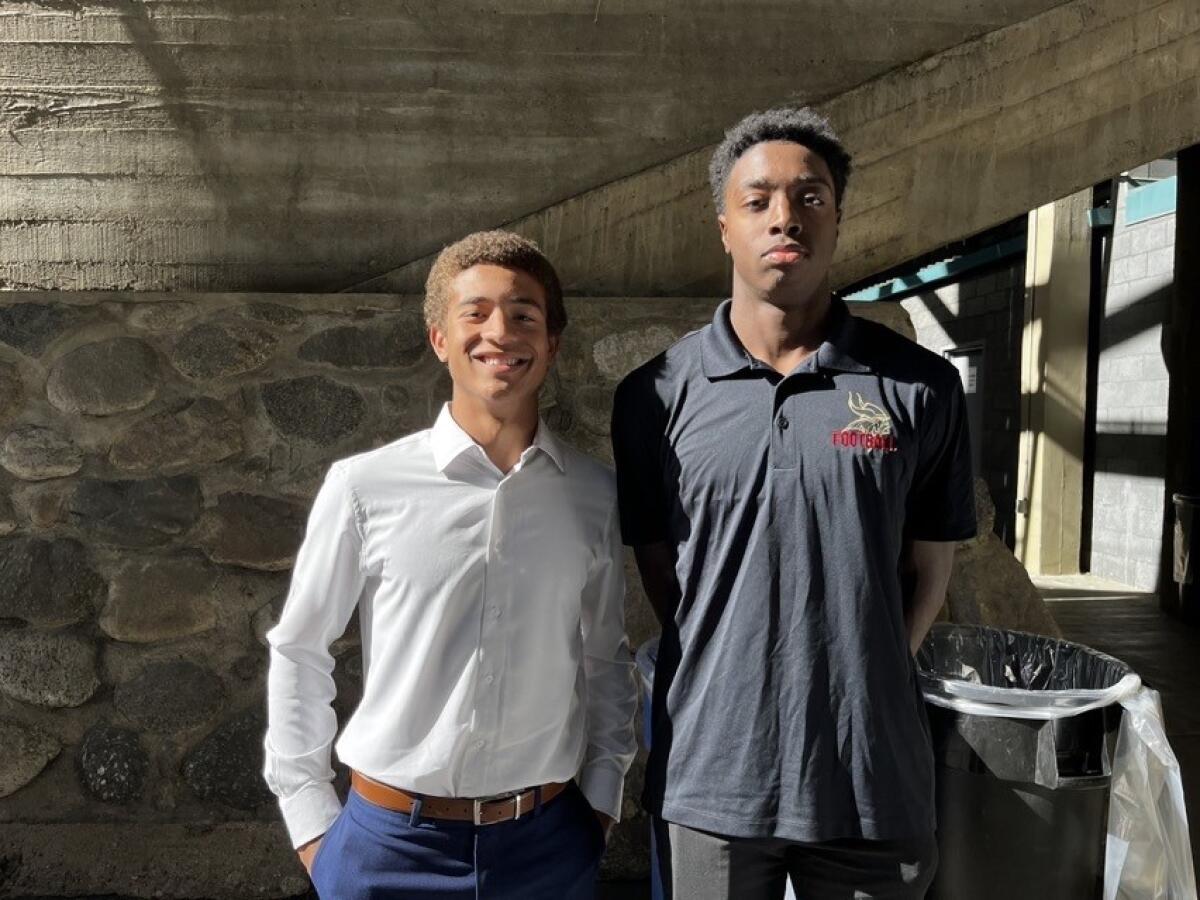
(448, 442)
(723, 354)
(842, 350)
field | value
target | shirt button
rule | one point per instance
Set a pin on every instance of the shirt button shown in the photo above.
(489, 678)
(479, 745)
(495, 612)
(783, 423)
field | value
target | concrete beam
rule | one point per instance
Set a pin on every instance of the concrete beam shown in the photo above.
(1054, 353)
(284, 146)
(944, 148)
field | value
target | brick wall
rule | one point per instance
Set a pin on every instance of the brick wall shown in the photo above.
(1131, 400)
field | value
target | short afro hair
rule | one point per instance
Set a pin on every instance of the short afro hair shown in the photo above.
(800, 125)
(496, 248)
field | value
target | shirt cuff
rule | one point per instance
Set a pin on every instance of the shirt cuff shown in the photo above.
(604, 789)
(309, 812)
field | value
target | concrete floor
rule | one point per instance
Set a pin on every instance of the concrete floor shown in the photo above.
(1165, 652)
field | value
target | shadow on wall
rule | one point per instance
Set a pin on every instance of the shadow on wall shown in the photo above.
(987, 310)
(243, 207)
(174, 86)
(1130, 439)
(1130, 445)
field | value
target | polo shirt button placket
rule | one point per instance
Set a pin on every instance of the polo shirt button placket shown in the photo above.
(783, 443)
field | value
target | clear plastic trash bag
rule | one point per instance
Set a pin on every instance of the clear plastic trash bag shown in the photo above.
(989, 672)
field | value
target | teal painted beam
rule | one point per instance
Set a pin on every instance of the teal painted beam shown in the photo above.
(939, 273)
(1150, 200)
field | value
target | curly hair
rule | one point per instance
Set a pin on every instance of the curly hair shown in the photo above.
(800, 125)
(497, 248)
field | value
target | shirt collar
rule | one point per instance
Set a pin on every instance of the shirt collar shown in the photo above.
(723, 354)
(448, 442)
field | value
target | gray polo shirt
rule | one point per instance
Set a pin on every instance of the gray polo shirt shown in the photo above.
(786, 702)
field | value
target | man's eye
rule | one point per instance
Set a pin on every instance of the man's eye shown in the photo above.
(757, 203)
(814, 200)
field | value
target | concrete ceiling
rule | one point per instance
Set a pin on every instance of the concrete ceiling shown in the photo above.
(944, 149)
(302, 145)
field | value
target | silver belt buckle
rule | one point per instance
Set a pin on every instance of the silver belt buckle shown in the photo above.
(477, 808)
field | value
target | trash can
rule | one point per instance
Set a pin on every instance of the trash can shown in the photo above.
(1184, 602)
(1022, 780)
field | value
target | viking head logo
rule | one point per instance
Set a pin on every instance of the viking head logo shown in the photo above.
(869, 418)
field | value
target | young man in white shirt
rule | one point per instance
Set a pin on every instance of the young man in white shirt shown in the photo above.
(484, 558)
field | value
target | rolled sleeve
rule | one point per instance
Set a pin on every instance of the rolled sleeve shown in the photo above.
(611, 686)
(326, 582)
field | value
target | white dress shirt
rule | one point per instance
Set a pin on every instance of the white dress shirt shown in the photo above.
(491, 607)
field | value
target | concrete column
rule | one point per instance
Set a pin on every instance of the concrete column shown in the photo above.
(1183, 361)
(1053, 387)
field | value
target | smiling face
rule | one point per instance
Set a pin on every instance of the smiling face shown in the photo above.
(780, 223)
(494, 339)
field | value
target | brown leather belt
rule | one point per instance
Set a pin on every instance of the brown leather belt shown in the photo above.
(481, 812)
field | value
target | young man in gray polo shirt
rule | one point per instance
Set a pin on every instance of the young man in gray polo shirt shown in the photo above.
(793, 481)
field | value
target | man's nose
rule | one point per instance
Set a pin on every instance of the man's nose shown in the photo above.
(784, 219)
(497, 326)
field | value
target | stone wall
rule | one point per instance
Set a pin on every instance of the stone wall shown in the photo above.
(158, 455)
(985, 309)
(1131, 401)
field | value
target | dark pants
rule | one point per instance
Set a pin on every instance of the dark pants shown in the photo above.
(697, 865)
(552, 853)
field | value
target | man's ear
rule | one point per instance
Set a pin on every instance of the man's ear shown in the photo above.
(554, 341)
(437, 340)
(721, 225)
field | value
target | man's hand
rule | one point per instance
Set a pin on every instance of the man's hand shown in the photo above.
(606, 822)
(308, 852)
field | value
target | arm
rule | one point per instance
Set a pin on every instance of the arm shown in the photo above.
(637, 439)
(308, 852)
(926, 568)
(941, 505)
(656, 565)
(326, 582)
(611, 686)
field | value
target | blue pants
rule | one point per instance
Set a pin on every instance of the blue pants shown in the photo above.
(552, 853)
